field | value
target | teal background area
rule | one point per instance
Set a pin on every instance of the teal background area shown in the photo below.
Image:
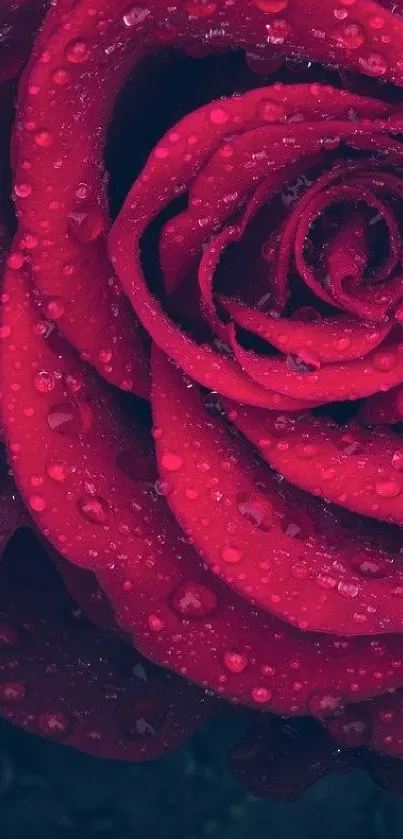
(52, 792)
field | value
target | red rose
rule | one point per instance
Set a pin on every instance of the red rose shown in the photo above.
(251, 287)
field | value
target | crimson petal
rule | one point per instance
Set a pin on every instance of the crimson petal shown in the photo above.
(268, 545)
(357, 469)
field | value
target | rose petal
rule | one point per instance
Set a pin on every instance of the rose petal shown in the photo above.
(282, 758)
(266, 545)
(380, 369)
(63, 679)
(362, 474)
(341, 338)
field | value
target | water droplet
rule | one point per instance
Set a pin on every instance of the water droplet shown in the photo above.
(44, 382)
(93, 508)
(278, 32)
(327, 473)
(384, 361)
(155, 623)
(231, 554)
(37, 503)
(218, 116)
(135, 15)
(22, 190)
(53, 308)
(342, 343)
(58, 470)
(54, 724)
(388, 488)
(70, 418)
(269, 110)
(86, 227)
(171, 462)
(374, 65)
(12, 692)
(347, 589)
(324, 704)
(350, 36)
(352, 728)
(193, 600)
(77, 51)
(235, 661)
(261, 695)
(61, 76)
(397, 460)
(306, 451)
(43, 138)
(368, 567)
(192, 494)
(256, 509)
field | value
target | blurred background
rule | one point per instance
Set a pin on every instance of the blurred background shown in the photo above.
(52, 792)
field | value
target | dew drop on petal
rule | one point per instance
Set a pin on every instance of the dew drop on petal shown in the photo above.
(324, 704)
(77, 51)
(235, 661)
(44, 382)
(93, 508)
(58, 470)
(261, 695)
(374, 65)
(37, 503)
(171, 462)
(231, 554)
(135, 15)
(12, 693)
(193, 600)
(54, 724)
(388, 488)
(256, 509)
(347, 589)
(155, 623)
(351, 36)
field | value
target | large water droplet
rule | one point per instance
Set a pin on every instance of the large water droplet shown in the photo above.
(11, 693)
(324, 704)
(58, 470)
(54, 724)
(44, 382)
(171, 462)
(374, 65)
(231, 554)
(235, 661)
(94, 508)
(135, 15)
(77, 51)
(256, 509)
(388, 488)
(351, 36)
(193, 600)
(261, 695)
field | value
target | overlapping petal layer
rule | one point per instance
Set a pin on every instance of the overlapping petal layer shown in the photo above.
(252, 286)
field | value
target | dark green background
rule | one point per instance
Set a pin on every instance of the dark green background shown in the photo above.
(51, 792)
